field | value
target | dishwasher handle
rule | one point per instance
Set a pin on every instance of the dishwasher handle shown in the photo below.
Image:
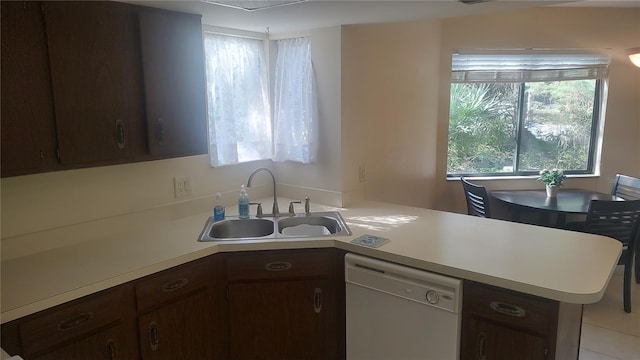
(369, 268)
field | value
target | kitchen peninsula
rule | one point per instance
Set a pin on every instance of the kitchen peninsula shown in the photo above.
(564, 268)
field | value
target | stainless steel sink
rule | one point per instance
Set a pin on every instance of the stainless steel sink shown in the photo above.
(317, 224)
(241, 228)
(330, 223)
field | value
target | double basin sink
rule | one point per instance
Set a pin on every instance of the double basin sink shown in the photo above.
(315, 224)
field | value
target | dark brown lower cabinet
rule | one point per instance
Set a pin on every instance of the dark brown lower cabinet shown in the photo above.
(180, 330)
(499, 324)
(112, 343)
(173, 314)
(283, 305)
(180, 314)
(279, 304)
(98, 326)
(494, 341)
(282, 320)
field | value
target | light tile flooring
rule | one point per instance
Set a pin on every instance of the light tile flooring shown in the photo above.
(607, 331)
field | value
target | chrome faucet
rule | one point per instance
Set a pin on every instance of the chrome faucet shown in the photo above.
(275, 211)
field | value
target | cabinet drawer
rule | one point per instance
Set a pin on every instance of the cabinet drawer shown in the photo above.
(279, 265)
(510, 308)
(70, 321)
(173, 283)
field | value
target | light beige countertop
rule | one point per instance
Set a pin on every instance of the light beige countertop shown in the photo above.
(555, 264)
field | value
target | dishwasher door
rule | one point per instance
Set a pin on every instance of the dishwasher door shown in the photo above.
(399, 313)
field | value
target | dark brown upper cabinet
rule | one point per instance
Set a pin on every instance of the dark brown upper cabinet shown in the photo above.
(93, 83)
(95, 71)
(28, 125)
(174, 83)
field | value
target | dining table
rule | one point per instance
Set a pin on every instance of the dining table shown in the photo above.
(567, 202)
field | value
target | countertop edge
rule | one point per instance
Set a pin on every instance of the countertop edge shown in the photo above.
(551, 294)
(223, 247)
(177, 252)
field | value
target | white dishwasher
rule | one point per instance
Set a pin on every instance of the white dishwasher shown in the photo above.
(396, 312)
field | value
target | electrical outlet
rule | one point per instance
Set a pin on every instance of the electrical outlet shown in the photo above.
(362, 174)
(182, 186)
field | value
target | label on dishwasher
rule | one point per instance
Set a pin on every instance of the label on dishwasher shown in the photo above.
(370, 241)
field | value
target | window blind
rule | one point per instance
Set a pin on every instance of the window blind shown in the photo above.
(527, 67)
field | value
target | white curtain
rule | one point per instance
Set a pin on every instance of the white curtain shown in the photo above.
(295, 111)
(238, 99)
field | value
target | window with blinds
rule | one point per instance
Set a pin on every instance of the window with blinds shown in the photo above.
(517, 112)
(510, 67)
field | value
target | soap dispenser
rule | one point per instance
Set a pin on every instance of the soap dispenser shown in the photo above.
(243, 203)
(218, 209)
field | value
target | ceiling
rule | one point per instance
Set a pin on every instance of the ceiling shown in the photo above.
(315, 14)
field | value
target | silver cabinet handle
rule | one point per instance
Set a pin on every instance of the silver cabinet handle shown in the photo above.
(160, 131)
(278, 266)
(111, 350)
(120, 134)
(481, 347)
(153, 336)
(175, 285)
(75, 321)
(507, 309)
(317, 300)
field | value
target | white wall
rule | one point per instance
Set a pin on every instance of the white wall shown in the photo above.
(45, 201)
(389, 105)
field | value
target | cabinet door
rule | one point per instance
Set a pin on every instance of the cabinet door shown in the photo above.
(98, 326)
(174, 83)
(487, 340)
(504, 324)
(180, 330)
(95, 72)
(114, 343)
(282, 320)
(28, 127)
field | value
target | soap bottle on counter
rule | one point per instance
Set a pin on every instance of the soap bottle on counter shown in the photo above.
(218, 209)
(243, 203)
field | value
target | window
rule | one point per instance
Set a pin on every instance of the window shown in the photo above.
(517, 113)
(237, 99)
(239, 106)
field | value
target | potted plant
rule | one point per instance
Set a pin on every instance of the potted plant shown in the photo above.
(553, 179)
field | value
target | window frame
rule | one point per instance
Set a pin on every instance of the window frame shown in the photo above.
(594, 141)
(264, 38)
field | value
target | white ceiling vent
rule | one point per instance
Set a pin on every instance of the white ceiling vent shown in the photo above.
(473, 1)
(253, 5)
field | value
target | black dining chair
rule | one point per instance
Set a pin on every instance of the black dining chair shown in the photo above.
(477, 199)
(628, 188)
(619, 220)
